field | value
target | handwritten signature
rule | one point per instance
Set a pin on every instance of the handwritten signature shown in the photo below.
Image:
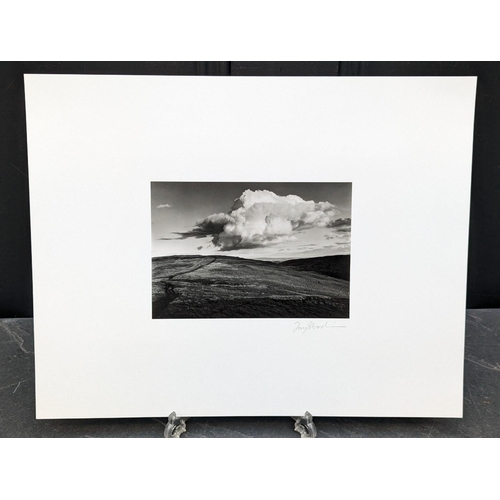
(301, 326)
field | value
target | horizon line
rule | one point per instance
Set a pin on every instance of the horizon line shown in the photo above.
(249, 258)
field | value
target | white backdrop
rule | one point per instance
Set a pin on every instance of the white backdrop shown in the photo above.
(96, 142)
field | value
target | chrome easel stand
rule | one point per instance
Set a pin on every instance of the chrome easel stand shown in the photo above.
(305, 426)
(175, 426)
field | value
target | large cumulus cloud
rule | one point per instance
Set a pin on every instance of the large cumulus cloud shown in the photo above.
(261, 218)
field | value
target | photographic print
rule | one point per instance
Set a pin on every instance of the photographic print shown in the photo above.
(223, 207)
(250, 250)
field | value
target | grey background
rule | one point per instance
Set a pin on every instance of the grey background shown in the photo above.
(482, 355)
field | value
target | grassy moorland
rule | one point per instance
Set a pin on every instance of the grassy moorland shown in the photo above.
(229, 287)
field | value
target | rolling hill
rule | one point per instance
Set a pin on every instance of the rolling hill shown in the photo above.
(187, 286)
(336, 266)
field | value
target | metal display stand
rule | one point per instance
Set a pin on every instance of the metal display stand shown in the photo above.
(303, 425)
(175, 426)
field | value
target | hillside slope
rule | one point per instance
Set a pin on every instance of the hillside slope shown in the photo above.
(336, 266)
(230, 287)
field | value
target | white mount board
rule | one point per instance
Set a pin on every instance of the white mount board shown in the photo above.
(95, 143)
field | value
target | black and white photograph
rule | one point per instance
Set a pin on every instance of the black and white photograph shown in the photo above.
(250, 250)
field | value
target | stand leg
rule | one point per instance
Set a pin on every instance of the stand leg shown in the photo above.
(305, 426)
(175, 426)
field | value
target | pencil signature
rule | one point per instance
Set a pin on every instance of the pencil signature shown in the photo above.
(302, 326)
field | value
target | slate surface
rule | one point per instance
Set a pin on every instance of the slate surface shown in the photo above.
(481, 400)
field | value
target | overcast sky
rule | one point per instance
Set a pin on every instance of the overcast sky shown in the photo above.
(251, 220)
